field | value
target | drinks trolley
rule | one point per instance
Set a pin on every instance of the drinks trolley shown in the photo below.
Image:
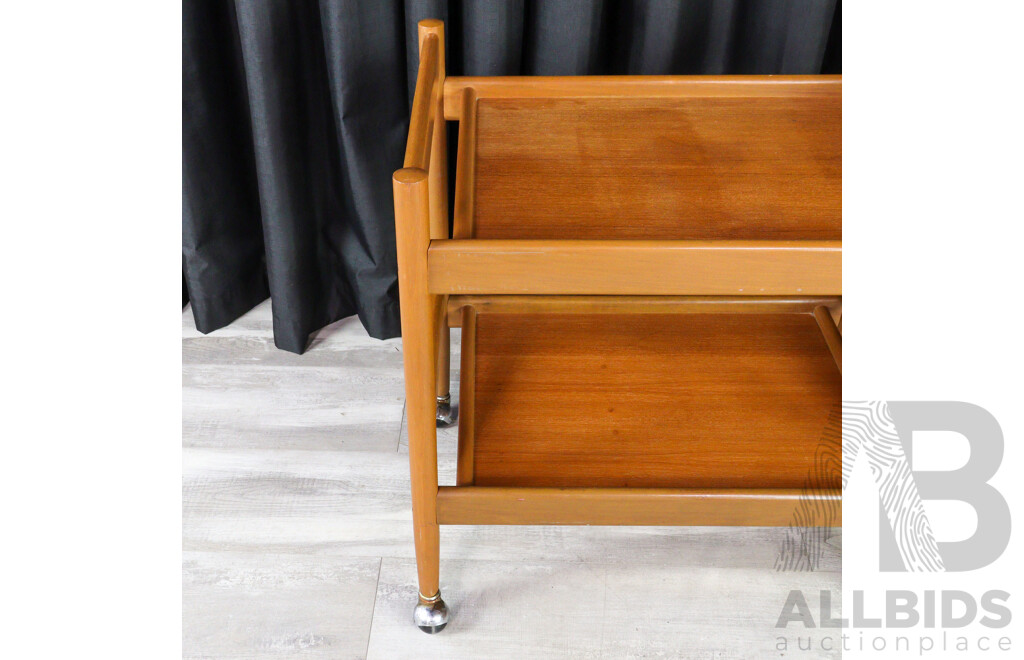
(647, 272)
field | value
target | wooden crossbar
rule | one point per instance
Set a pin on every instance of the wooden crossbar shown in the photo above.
(475, 505)
(640, 267)
(637, 305)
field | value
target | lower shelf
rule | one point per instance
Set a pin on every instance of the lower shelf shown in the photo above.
(676, 401)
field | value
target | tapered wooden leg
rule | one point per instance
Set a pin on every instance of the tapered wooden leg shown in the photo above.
(419, 331)
(421, 213)
(445, 413)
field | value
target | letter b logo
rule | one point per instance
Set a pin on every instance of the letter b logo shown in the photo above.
(884, 432)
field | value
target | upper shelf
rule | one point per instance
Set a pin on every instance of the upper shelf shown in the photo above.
(756, 158)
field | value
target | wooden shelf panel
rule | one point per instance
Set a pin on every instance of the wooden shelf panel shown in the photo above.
(697, 167)
(648, 401)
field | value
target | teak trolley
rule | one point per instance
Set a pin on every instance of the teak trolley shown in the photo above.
(647, 274)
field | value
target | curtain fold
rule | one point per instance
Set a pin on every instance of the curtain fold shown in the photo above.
(295, 116)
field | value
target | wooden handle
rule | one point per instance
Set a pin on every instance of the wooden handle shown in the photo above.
(417, 148)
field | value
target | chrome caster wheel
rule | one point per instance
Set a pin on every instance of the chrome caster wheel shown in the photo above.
(445, 414)
(431, 614)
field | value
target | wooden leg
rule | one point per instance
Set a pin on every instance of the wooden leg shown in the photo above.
(444, 341)
(445, 413)
(420, 314)
(421, 213)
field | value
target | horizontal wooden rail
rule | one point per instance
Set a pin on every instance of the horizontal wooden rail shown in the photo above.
(636, 305)
(474, 505)
(663, 268)
(635, 87)
(417, 147)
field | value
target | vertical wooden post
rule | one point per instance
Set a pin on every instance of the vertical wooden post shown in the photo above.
(419, 330)
(438, 183)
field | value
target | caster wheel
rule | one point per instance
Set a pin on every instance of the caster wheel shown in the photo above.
(446, 415)
(431, 614)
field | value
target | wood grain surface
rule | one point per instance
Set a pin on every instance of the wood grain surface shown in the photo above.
(636, 267)
(675, 168)
(670, 401)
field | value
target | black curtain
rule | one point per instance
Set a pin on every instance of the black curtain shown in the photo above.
(295, 115)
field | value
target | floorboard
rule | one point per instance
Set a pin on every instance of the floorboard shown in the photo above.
(297, 533)
(239, 605)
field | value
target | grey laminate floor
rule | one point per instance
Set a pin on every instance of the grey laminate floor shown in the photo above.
(298, 537)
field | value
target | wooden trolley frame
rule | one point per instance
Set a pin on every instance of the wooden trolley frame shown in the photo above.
(448, 281)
